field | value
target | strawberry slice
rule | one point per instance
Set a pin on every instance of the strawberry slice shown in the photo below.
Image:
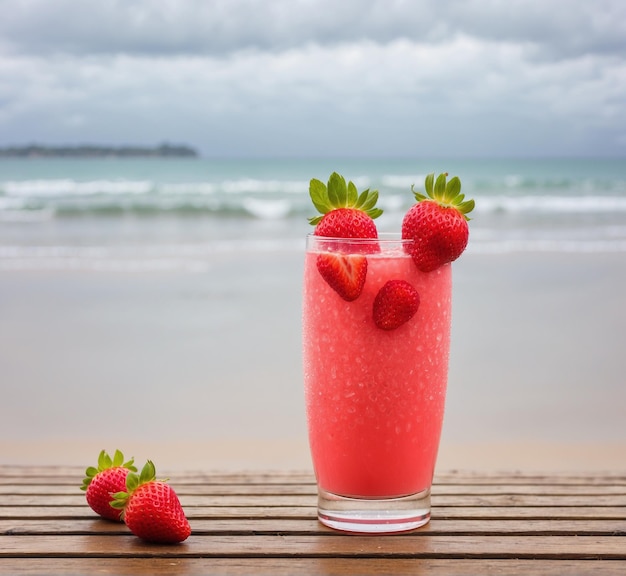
(344, 273)
(395, 304)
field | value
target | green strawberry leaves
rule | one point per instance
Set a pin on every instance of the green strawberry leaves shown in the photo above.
(339, 194)
(104, 463)
(319, 196)
(445, 192)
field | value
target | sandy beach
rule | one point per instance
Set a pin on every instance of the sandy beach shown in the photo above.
(202, 370)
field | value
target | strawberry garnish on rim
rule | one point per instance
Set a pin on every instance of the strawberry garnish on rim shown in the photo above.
(438, 223)
(344, 214)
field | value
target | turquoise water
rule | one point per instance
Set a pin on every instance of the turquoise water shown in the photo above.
(152, 213)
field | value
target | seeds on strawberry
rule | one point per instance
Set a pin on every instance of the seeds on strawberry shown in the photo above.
(344, 273)
(437, 224)
(151, 509)
(395, 304)
(101, 482)
(346, 223)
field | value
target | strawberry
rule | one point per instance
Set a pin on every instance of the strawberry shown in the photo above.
(151, 509)
(109, 477)
(438, 223)
(345, 212)
(395, 304)
(344, 273)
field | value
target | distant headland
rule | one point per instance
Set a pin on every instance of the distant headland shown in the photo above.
(95, 151)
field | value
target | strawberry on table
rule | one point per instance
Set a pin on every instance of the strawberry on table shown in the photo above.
(151, 509)
(438, 223)
(101, 482)
(344, 214)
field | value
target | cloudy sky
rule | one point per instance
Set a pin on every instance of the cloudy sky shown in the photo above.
(318, 77)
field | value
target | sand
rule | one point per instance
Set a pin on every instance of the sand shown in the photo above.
(202, 370)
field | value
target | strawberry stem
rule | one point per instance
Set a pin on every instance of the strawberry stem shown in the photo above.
(445, 193)
(104, 463)
(339, 194)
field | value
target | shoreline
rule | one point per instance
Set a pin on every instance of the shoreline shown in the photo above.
(232, 455)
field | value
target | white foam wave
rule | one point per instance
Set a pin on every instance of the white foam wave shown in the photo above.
(266, 198)
(248, 185)
(402, 181)
(200, 188)
(267, 209)
(68, 187)
(551, 204)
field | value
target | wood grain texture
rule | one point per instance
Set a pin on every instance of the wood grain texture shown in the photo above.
(265, 523)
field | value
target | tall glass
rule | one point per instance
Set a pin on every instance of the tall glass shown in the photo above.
(374, 397)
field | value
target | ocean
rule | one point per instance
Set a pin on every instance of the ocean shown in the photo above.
(157, 214)
(159, 300)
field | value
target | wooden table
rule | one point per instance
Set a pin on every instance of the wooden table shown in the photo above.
(265, 523)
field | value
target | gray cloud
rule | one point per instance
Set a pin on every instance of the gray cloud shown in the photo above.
(553, 28)
(318, 76)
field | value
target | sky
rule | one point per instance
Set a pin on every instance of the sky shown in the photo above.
(242, 78)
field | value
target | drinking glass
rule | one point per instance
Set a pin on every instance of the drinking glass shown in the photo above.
(374, 397)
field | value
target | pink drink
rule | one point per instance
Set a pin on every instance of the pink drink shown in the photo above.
(375, 398)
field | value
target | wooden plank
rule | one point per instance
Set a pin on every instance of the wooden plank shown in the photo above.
(413, 545)
(264, 523)
(308, 566)
(247, 526)
(308, 489)
(306, 512)
(67, 474)
(289, 500)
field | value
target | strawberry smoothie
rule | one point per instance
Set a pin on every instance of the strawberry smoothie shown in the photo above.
(375, 397)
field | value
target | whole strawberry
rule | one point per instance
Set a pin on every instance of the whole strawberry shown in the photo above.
(151, 509)
(438, 223)
(101, 482)
(395, 304)
(344, 212)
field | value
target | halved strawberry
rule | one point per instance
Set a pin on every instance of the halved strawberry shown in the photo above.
(345, 212)
(438, 223)
(395, 304)
(344, 273)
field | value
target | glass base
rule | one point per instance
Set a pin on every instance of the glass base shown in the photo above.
(373, 515)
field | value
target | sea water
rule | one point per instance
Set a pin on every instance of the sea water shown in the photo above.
(159, 214)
